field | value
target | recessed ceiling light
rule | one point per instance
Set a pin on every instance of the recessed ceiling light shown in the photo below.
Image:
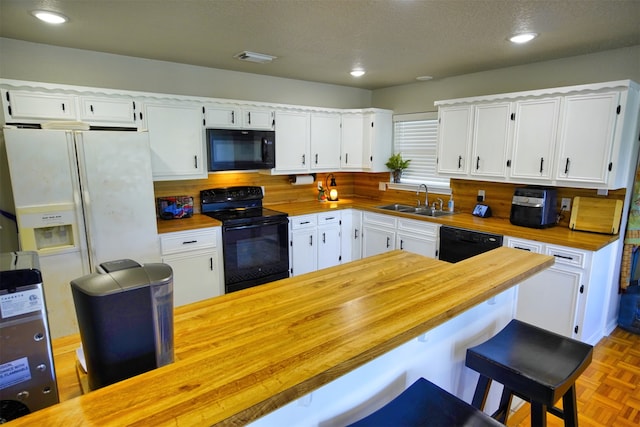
(50, 17)
(260, 58)
(357, 73)
(522, 37)
(424, 78)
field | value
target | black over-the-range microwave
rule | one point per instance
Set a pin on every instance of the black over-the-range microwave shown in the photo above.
(237, 149)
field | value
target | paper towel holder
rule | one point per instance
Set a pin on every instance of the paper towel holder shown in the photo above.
(292, 178)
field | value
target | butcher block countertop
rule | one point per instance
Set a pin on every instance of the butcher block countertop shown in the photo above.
(555, 235)
(242, 355)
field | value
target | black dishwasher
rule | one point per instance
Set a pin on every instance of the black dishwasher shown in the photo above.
(457, 244)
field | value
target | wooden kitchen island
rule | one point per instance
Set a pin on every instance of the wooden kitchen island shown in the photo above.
(242, 355)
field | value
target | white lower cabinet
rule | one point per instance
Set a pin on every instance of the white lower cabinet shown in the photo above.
(315, 242)
(378, 233)
(196, 259)
(383, 233)
(304, 244)
(351, 235)
(570, 297)
(329, 247)
(419, 237)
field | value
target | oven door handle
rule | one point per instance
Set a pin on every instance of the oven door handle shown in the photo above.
(254, 225)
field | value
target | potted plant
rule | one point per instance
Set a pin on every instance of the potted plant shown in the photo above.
(397, 165)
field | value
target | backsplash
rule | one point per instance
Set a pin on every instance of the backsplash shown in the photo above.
(278, 189)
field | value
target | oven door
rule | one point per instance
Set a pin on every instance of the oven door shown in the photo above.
(255, 254)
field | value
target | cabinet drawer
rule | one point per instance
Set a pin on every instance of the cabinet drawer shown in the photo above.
(567, 256)
(182, 241)
(380, 219)
(303, 221)
(421, 227)
(328, 218)
(525, 245)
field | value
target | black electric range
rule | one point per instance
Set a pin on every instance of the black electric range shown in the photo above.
(255, 239)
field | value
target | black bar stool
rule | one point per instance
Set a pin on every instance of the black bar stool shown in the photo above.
(426, 404)
(534, 364)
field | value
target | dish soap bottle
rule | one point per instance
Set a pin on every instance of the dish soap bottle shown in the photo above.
(450, 203)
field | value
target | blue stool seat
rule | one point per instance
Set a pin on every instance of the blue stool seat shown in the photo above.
(534, 364)
(426, 404)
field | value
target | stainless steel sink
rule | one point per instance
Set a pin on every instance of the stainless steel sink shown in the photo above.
(416, 210)
(397, 207)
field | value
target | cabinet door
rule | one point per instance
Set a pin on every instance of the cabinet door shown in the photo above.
(586, 137)
(416, 244)
(108, 110)
(550, 300)
(351, 235)
(34, 105)
(195, 276)
(304, 251)
(325, 141)
(377, 145)
(261, 119)
(534, 140)
(222, 116)
(454, 139)
(177, 141)
(352, 141)
(292, 142)
(329, 248)
(376, 240)
(491, 136)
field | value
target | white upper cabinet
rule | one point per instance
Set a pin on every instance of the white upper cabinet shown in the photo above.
(258, 118)
(454, 139)
(491, 140)
(109, 110)
(586, 137)
(580, 136)
(176, 136)
(352, 141)
(377, 144)
(367, 140)
(325, 141)
(535, 133)
(231, 116)
(292, 142)
(222, 116)
(21, 105)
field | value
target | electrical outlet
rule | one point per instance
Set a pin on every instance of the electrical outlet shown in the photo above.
(319, 185)
(382, 186)
(566, 204)
(481, 195)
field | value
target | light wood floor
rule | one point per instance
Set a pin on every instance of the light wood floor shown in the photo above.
(608, 391)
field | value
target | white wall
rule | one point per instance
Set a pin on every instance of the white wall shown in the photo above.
(43, 63)
(618, 64)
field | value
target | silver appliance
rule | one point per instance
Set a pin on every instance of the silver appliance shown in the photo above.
(125, 316)
(27, 373)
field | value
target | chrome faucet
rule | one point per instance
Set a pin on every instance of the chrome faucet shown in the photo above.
(426, 194)
(440, 202)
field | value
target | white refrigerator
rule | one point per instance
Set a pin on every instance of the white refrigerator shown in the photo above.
(81, 198)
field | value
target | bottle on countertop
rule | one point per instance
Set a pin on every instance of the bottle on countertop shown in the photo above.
(450, 203)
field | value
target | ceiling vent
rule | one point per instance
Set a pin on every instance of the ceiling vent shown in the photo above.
(260, 58)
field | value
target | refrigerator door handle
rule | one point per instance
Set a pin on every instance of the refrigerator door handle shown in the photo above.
(85, 199)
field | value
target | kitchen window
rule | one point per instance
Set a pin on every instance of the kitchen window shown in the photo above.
(416, 137)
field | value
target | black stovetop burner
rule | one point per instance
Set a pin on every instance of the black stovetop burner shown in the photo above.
(236, 205)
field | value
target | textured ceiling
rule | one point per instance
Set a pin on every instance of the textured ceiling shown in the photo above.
(322, 40)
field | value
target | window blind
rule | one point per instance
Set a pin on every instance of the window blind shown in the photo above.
(418, 140)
